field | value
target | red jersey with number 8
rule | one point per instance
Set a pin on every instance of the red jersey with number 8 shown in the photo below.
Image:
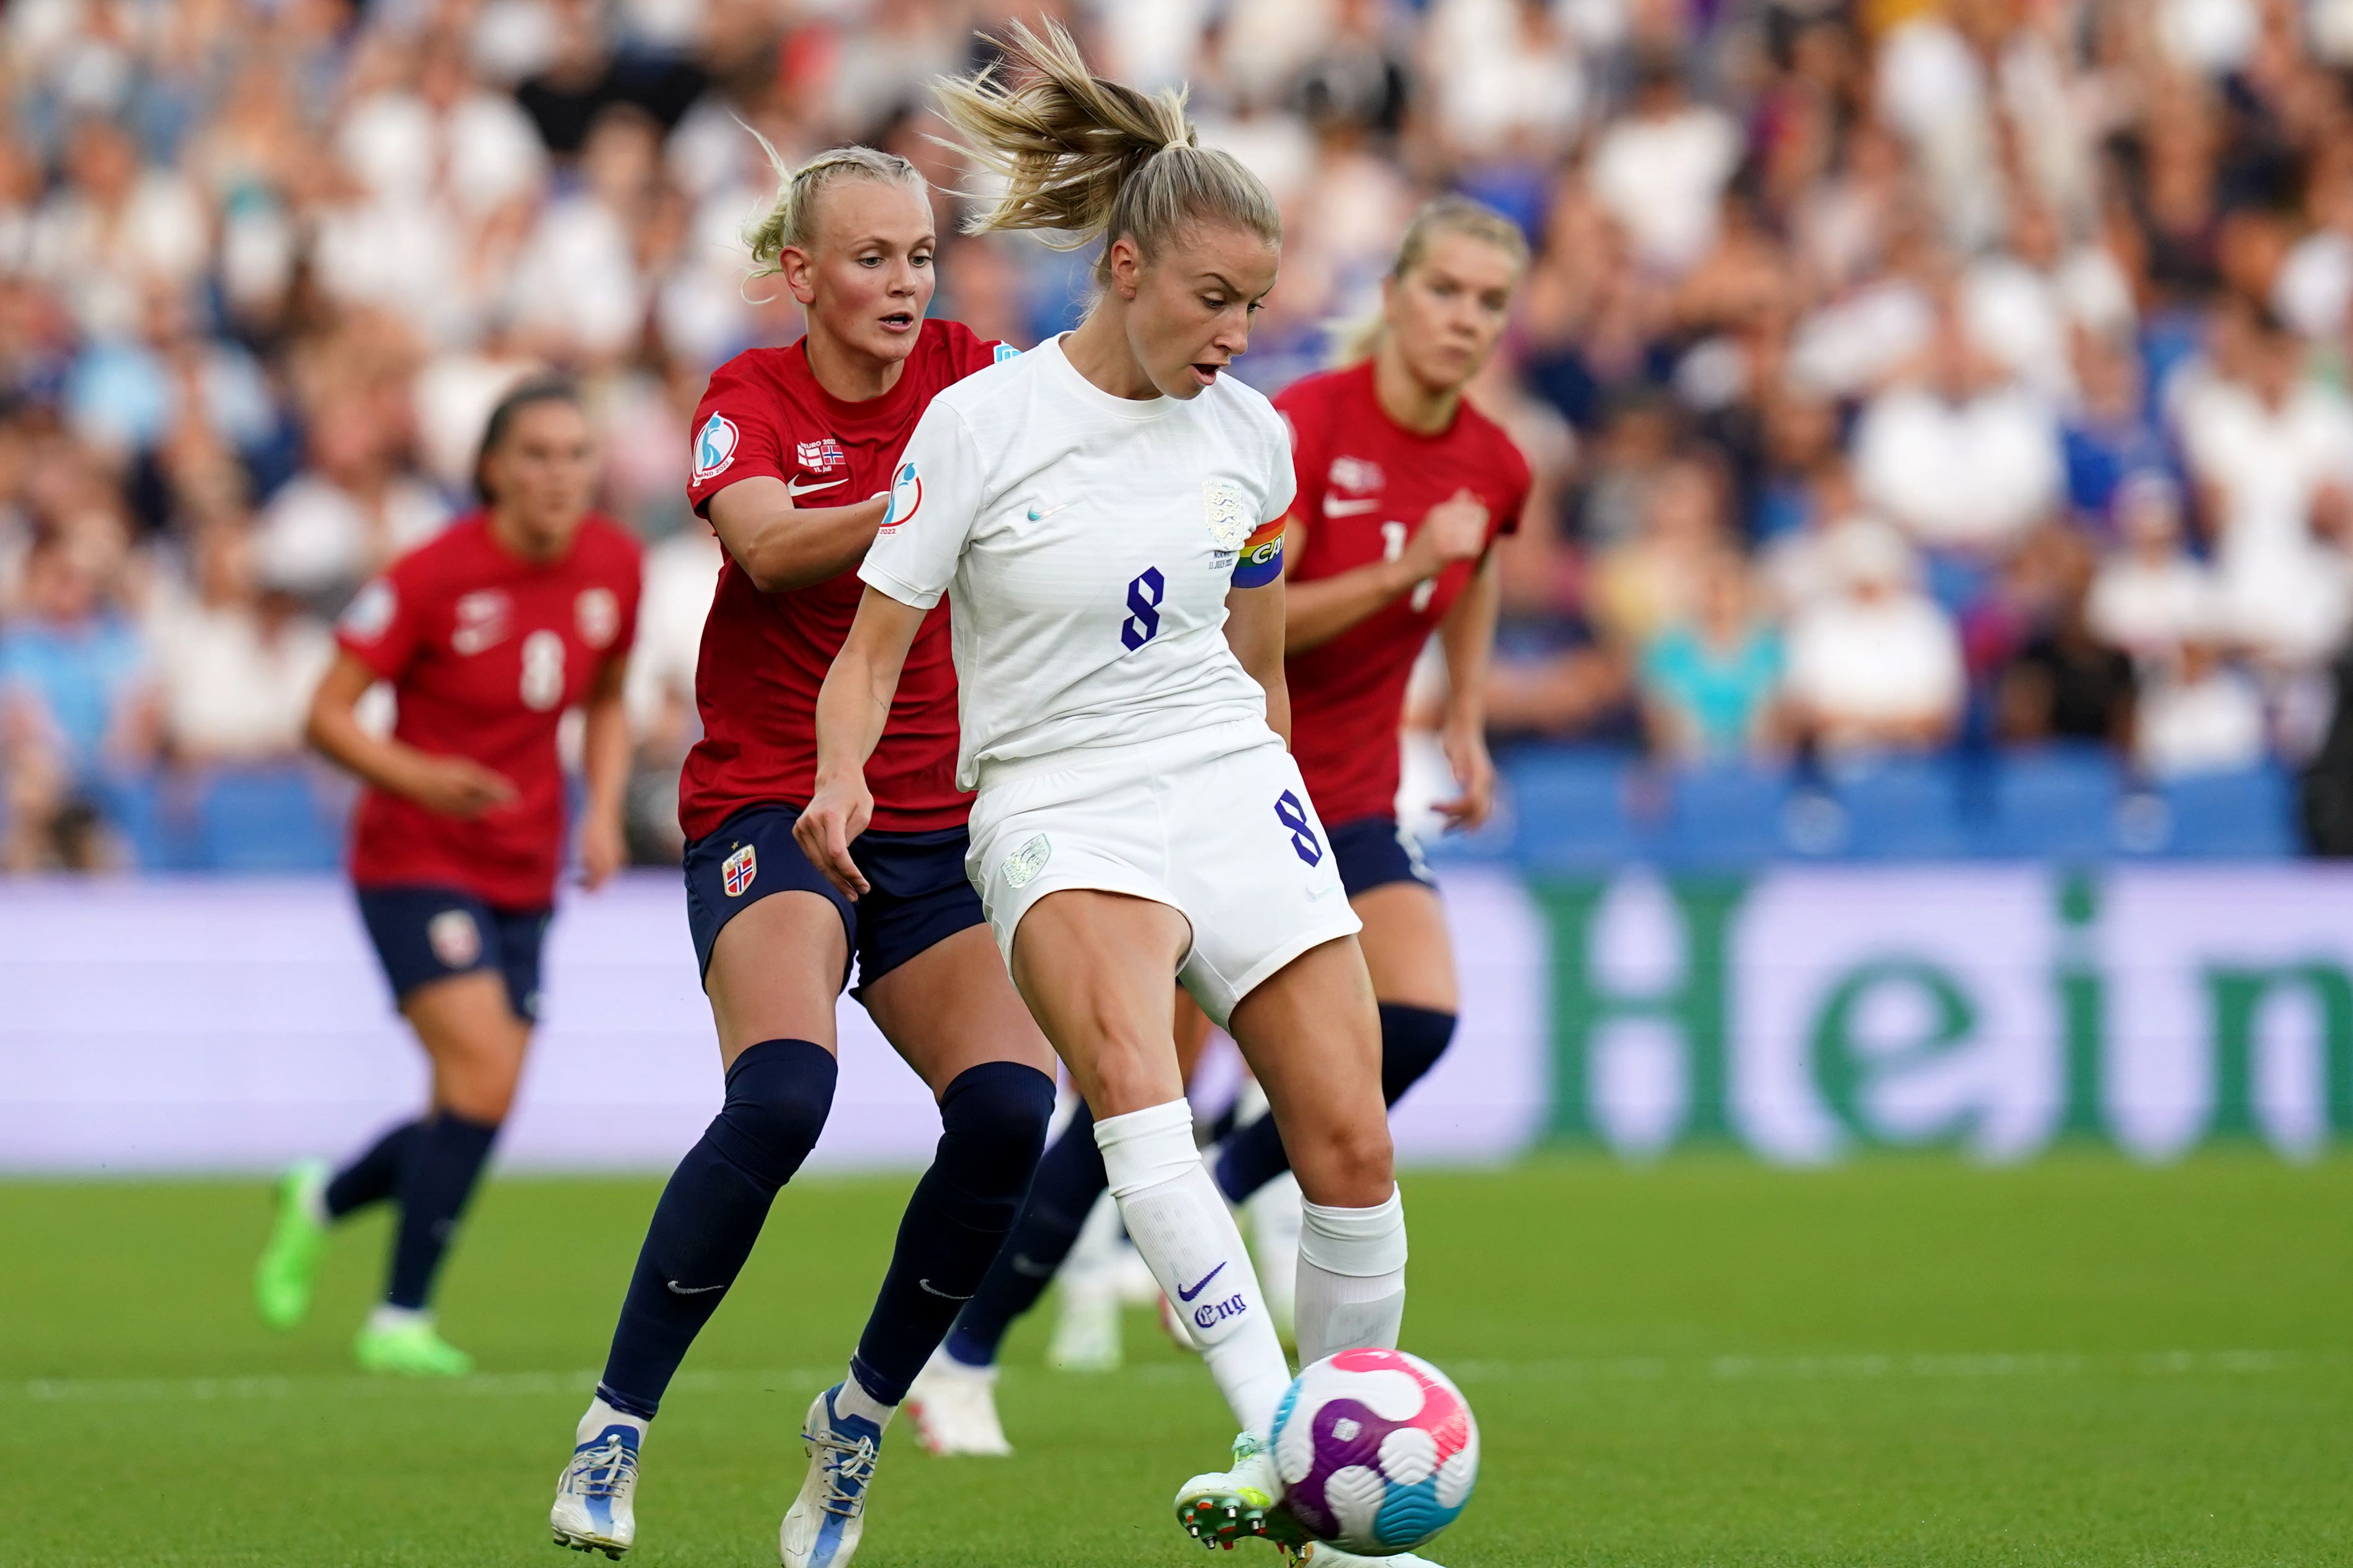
(764, 655)
(484, 651)
(1365, 484)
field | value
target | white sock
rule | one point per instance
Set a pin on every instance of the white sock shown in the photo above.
(388, 1317)
(1351, 1278)
(854, 1400)
(1180, 1225)
(601, 1416)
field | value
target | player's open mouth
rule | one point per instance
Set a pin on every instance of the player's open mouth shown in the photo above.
(1206, 373)
(899, 321)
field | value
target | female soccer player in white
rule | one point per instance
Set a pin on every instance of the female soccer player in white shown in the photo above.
(1105, 513)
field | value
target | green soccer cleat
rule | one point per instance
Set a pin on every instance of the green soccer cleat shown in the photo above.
(288, 1269)
(1223, 1507)
(409, 1348)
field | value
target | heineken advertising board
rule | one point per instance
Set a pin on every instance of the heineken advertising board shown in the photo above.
(1804, 1014)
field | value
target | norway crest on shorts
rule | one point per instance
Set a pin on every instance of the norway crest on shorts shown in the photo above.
(1228, 518)
(736, 874)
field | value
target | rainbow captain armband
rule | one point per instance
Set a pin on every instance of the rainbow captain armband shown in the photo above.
(1260, 561)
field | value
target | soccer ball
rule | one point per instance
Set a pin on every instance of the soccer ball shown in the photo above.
(1377, 1449)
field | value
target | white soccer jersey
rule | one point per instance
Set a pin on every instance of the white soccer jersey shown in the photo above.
(1087, 543)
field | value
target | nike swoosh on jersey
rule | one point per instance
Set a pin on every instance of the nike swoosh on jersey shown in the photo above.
(1335, 506)
(795, 488)
(1039, 514)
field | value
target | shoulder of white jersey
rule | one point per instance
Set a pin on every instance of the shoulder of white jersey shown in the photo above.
(1253, 407)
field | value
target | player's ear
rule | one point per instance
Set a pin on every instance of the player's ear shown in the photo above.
(798, 268)
(1126, 267)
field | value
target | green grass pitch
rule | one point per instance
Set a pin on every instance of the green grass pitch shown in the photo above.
(1705, 1363)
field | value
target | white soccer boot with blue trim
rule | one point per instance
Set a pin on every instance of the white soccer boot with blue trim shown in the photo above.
(822, 1527)
(594, 1497)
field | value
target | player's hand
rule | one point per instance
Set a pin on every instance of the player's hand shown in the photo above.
(1465, 746)
(837, 815)
(602, 850)
(459, 787)
(1454, 529)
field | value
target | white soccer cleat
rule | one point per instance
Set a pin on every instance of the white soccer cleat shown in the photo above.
(1222, 1507)
(1086, 1325)
(822, 1527)
(1318, 1554)
(1273, 1219)
(594, 1497)
(954, 1407)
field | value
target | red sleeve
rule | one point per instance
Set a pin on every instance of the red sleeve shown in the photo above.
(1302, 416)
(628, 580)
(1520, 481)
(384, 623)
(739, 433)
(968, 353)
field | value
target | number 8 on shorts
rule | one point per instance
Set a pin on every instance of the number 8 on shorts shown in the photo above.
(1293, 815)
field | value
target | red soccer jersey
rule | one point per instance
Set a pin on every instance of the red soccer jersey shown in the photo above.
(1365, 485)
(764, 655)
(484, 651)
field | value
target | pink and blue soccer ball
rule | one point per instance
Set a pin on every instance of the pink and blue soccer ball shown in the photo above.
(1377, 1449)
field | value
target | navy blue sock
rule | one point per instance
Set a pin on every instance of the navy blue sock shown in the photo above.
(993, 1122)
(1412, 1039)
(779, 1093)
(1069, 1179)
(375, 1175)
(445, 1160)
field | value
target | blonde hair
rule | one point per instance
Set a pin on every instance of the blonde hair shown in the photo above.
(1354, 340)
(1083, 158)
(790, 222)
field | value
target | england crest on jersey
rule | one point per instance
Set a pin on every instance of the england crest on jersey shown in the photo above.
(739, 871)
(1229, 519)
(715, 447)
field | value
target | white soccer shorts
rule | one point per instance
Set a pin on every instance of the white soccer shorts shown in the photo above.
(1217, 825)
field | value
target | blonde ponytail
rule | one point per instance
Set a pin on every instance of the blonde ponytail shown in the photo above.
(1083, 158)
(791, 221)
(1353, 339)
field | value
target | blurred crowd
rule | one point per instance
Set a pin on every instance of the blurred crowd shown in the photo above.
(1899, 376)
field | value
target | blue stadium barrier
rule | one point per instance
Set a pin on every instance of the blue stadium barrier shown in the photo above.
(264, 819)
(1901, 808)
(1572, 807)
(1725, 815)
(2057, 803)
(2234, 815)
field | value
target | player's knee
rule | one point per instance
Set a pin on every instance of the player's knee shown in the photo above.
(993, 1122)
(1412, 1039)
(1350, 1165)
(778, 1095)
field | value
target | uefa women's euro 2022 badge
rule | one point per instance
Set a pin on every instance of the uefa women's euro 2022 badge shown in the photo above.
(1229, 519)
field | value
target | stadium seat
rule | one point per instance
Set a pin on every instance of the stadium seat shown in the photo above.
(264, 819)
(1901, 809)
(2248, 816)
(1727, 815)
(1571, 807)
(2052, 802)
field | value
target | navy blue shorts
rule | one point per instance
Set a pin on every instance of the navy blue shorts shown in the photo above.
(424, 934)
(1373, 851)
(918, 893)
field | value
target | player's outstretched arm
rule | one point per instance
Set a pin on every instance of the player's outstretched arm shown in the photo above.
(1466, 638)
(1255, 620)
(781, 546)
(455, 786)
(852, 707)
